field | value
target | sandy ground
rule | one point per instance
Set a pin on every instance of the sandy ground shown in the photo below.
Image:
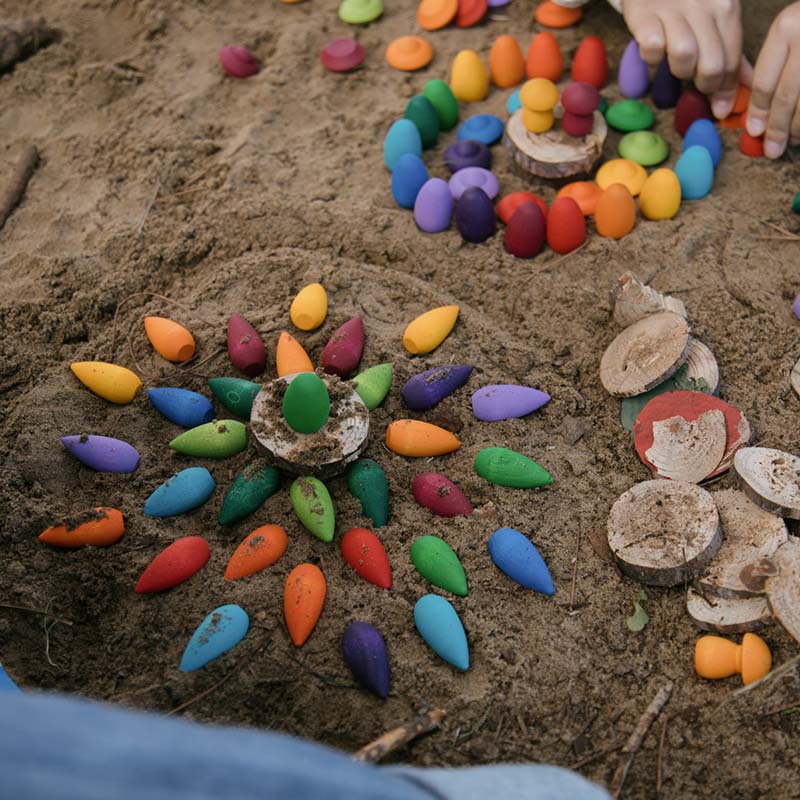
(262, 186)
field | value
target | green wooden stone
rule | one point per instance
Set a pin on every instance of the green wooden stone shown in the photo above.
(312, 503)
(367, 483)
(218, 439)
(421, 112)
(603, 107)
(796, 203)
(360, 12)
(630, 115)
(248, 492)
(444, 101)
(306, 403)
(509, 468)
(644, 147)
(373, 384)
(435, 560)
(236, 394)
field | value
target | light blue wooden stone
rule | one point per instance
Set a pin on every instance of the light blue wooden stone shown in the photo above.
(439, 625)
(181, 493)
(695, 172)
(403, 137)
(513, 103)
(219, 632)
(184, 408)
(6, 684)
(514, 554)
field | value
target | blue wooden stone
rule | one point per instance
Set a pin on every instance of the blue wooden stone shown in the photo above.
(408, 177)
(515, 554)
(219, 632)
(181, 493)
(430, 387)
(184, 408)
(6, 684)
(403, 137)
(703, 132)
(514, 103)
(484, 128)
(439, 625)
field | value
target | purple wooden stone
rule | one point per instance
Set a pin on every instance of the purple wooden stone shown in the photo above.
(633, 77)
(365, 653)
(498, 3)
(433, 206)
(666, 88)
(467, 153)
(102, 453)
(474, 176)
(425, 390)
(475, 218)
(506, 401)
(796, 306)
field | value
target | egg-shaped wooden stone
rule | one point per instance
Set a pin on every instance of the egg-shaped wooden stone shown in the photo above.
(408, 177)
(633, 76)
(615, 214)
(695, 172)
(469, 79)
(421, 112)
(666, 88)
(703, 132)
(403, 137)
(660, 197)
(475, 217)
(433, 207)
(526, 231)
(515, 554)
(590, 63)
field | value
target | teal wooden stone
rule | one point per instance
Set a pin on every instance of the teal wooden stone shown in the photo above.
(218, 439)
(630, 115)
(306, 403)
(796, 203)
(644, 147)
(219, 632)
(249, 491)
(312, 503)
(373, 384)
(505, 467)
(236, 394)
(367, 483)
(181, 493)
(439, 625)
(422, 113)
(435, 560)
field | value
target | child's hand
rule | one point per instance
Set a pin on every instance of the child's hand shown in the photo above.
(775, 99)
(702, 40)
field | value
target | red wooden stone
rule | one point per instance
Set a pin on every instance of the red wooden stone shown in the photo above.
(440, 495)
(566, 225)
(591, 62)
(343, 351)
(526, 230)
(363, 551)
(470, 12)
(245, 347)
(173, 565)
(692, 105)
(506, 206)
(577, 124)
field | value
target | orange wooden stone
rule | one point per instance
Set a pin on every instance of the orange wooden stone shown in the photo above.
(261, 549)
(544, 59)
(715, 658)
(411, 437)
(506, 63)
(435, 14)
(742, 100)
(99, 527)
(409, 53)
(290, 357)
(506, 207)
(615, 212)
(584, 193)
(303, 599)
(170, 340)
(554, 16)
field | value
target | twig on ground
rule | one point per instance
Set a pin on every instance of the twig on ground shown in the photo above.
(147, 210)
(660, 762)
(397, 737)
(21, 39)
(555, 261)
(47, 628)
(637, 737)
(37, 611)
(575, 567)
(790, 664)
(597, 754)
(200, 696)
(20, 176)
(779, 709)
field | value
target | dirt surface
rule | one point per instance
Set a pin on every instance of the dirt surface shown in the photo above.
(260, 187)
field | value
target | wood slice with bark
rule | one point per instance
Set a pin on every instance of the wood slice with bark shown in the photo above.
(632, 300)
(795, 377)
(727, 616)
(555, 154)
(783, 588)
(770, 478)
(664, 533)
(702, 367)
(750, 534)
(645, 354)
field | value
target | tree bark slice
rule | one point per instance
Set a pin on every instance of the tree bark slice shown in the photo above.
(795, 377)
(725, 615)
(555, 154)
(770, 478)
(632, 300)
(18, 40)
(701, 366)
(783, 588)
(664, 533)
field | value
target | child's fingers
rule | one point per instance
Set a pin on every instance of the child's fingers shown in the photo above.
(681, 45)
(730, 32)
(766, 75)
(784, 103)
(648, 31)
(746, 72)
(710, 55)
(794, 134)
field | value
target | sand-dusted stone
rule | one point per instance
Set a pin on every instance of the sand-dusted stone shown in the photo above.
(725, 615)
(783, 588)
(770, 478)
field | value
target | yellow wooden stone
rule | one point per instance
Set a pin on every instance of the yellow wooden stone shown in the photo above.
(660, 197)
(537, 121)
(310, 306)
(538, 94)
(624, 171)
(109, 381)
(469, 79)
(430, 329)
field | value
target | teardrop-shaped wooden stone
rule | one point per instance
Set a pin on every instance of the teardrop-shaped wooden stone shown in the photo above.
(363, 551)
(245, 347)
(312, 503)
(343, 351)
(508, 468)
(219, 439)
(517, 556)
(174, 565)
(428, 388)
(236, 394)
(440, 626)
(249, 491)
(373, 384)
(364, 651)
(303, 599)
(367, 483)
(440, 495)
(306, 403)
(435, 560)
(219, 632)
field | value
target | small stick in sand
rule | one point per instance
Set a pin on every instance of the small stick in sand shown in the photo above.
(637, 737)
(660, 763)
(393, 739)
(575, 567)
(23, 170)
(44, 613)
(18, 40)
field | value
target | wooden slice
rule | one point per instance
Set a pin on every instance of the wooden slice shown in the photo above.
(324, 453)
(750, 534)
(795, 377)
(555, 154)
(702, 367)
(645, 354)
(720, 615)
(783, 589)
(771, 479)
(632, 300)
(690, 405)
(664, 533)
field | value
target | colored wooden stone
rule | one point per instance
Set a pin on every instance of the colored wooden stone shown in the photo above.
(509, 203)
(473, 177)
(590, 63)
(303, 598)
(102, 453)
(312, 503)
(169, 339)
(98, 527)
(309, 307)
(506, 63)
(409, 176)
(421, 112)
(360, 12)
(470, 12)
(644, 147)
(666, 88)
(584, 193)
(343, 350)
(505, 467)
(544, 59)
(526, 231)
(249, 491)
(624, 171)
(552, 15)
(660, 197)
(109, 381)
(184, 491)
(433, 207)
(469, 80)
(634, 76)
(236, 394)
(615, 214)
(258, 550)
(695, 173)
(691, 105)
(444, 101)
(439, 625)
(373, 384)
(367, 483)
(218, 633)
(306, 403)
(440, 495)
(425, 333)
(715, 658)
(291, 357)
(429, 388)
(475, 218)
(566, 225)
(630, 115)
(515, 554)
(342, 55)
(174, 565)
(435, 560)
(363, 551)
(364, 652)
(402, 137)
(409, 53)
(219, 439)
(181, 406)
(238, 62)
(704, 133)
(435, 14)
(245, 347)
(6, 684)
(417, 439)
(506, 401)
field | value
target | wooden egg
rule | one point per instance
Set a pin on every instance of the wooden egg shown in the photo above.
(544, 59)
(566, 226)
(615, 214)
(468, 77)
(660, 197)
(506, 63)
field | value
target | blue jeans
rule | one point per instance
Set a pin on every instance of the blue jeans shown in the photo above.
(60, 748)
